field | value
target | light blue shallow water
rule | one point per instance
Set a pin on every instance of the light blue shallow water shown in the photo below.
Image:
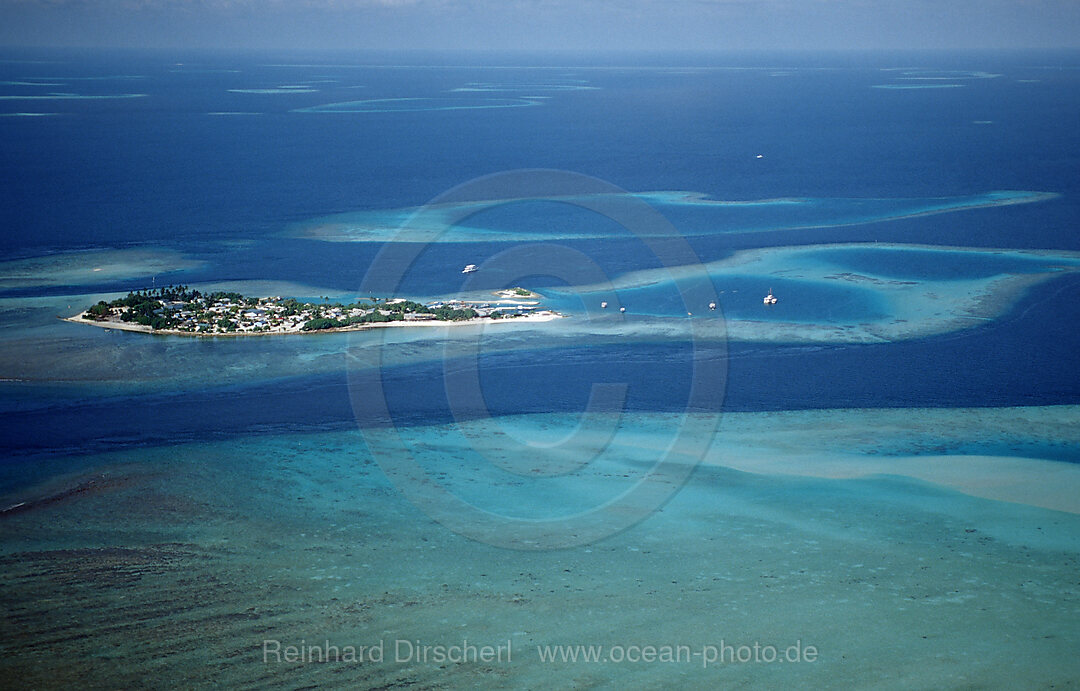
(570, 217)
(279, 536)
(741, 298)
(933, 264)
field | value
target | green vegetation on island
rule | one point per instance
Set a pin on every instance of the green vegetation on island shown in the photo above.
(181, 309)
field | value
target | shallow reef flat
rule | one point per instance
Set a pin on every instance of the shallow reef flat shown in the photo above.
(92, 267)
(918, 86)
(180, 561)
(419, 104)
(850, 293)
(1024, 455)
(528, 88)
(691, 213)
(275, 90)
(67, 97)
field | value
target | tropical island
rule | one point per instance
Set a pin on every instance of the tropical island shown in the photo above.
(181, 310)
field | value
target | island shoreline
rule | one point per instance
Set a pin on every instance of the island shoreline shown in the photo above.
(116, 325)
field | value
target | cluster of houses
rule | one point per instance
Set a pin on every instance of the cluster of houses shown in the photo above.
(235, 315)
(275, 315)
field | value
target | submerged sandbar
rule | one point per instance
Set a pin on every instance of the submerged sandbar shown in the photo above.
(834, 293)
(692, 213)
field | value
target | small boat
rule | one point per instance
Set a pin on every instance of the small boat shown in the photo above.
(770, 299)
(622, 309)
(712, 305)
(603, 305)
(469, 269)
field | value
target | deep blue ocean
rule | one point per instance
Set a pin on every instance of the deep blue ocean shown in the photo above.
(220, 156)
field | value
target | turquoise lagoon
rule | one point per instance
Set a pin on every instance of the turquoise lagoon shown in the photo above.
(845, 293)
(827, 527)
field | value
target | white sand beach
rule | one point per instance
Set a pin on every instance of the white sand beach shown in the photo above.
(537, 317)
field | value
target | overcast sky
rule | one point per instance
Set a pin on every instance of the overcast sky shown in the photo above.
(543, 24)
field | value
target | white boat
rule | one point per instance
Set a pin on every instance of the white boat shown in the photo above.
(712, 305)
(603, 305)
(469, 269)
(770, 299)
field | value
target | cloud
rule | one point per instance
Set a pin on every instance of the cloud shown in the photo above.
(544, 24)
(223, 4)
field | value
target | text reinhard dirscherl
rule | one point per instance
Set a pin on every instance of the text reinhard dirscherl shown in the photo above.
(405, 651)
(402, 651)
